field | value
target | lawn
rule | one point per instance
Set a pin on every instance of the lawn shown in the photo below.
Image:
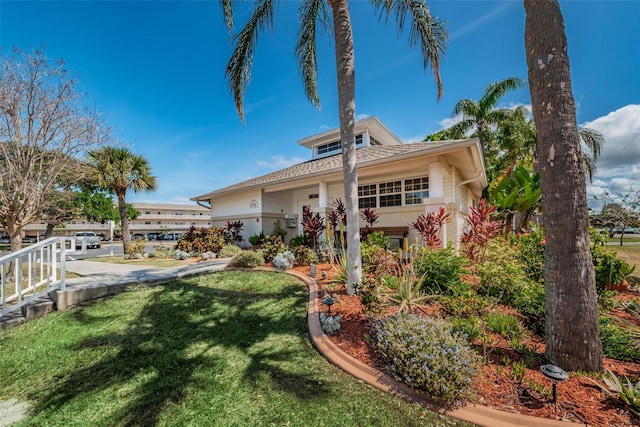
(226, 349)
(150, 262)
(631, 254)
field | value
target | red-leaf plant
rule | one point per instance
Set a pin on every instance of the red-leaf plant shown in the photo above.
(370, 217)
(234, 231)
(480, 228)
(429, 225)
(312, 225)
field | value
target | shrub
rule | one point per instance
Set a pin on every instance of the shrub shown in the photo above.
(272, 246)
(200, 240)
(471, 327)
(506, 325)
(247, 259)
(378, 239)
(312, 225)
(300, 240)
(136, 247)
(618, 342)
(160, 251)
(234, 231)
(284, 260)
(371, 296)
(610, 270)
(303, 255)
(529, 250)
(256, 239)
(181, 255)
(442, 269)
(229, 251)
(426, 354)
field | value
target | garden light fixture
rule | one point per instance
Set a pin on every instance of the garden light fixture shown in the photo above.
(555, 374)
(328, 301)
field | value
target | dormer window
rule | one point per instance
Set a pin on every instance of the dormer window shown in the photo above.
(335, 147)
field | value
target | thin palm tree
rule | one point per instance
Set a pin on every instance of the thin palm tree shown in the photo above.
(482, 115)
(118, 170)
(594, 141)
(426, 32)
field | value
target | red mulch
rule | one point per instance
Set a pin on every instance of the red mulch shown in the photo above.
(578, 400)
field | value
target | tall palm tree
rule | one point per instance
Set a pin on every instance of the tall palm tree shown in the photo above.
(426, 32)
(482, 115)
(118, 170)
(594, 141)
(572, 331)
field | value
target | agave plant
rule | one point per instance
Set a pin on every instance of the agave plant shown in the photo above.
(407, 294)
(626, 392)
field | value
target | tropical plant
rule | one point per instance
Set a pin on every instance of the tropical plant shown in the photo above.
(247, 259)
(330, 324)
(256, 239)
(593, 141)
(233, 231)
(303, 255)
(272, 246)
(118, 170)
(426, 31)
(570, 344)
(441, 270)
(518, 193)
(200, 240)
(312, 225)
(407, 293)
(480, 229)
(481, 115)
(626, 392)
(429, 226)
(370, 217)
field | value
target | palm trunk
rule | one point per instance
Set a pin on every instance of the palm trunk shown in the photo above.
(345, 65)
(49, 231)
(571, 333)
(124, 222)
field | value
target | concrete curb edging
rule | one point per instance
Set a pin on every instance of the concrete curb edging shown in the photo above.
(477, 414)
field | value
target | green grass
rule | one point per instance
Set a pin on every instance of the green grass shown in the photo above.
(631, 254)
(226, 349)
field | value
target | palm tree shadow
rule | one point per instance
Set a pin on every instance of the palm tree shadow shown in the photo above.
(157, 349)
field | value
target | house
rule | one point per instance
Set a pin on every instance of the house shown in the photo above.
(400, 181)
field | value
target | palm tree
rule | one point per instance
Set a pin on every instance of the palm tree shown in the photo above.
(594, 141)
(426, 32)
(570, 290)
(482, 115)
(117, 170)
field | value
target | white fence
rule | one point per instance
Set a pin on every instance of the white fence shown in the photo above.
(33, 271)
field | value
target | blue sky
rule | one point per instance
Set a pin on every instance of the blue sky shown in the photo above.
(155, 69)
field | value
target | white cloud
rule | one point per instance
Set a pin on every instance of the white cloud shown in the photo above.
(479, 21)
(619, 163)
(280, 162)
(362, 116)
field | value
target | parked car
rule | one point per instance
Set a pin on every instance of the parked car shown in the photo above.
(153, 236)
(171, 236)
(92, 241)
(138, 236)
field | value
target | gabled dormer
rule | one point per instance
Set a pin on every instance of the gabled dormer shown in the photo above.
(369, 131)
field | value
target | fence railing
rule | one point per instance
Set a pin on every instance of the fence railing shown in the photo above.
(32, 272)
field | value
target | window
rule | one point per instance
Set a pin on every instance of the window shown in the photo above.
(178, 213)
(159, 222)
(159, 213)
(147, 223)
(147, 212)
(416, 190)
(367, 196)
(332, 146)
(391, 194)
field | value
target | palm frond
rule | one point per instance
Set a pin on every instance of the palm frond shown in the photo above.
(227, 12)
(594, 141)
(238, 70)
(497, 90)
(310, 13)
(468, 108)
(426, 31)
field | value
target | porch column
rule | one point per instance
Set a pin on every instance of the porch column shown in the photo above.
(323, 195)
(436, 180)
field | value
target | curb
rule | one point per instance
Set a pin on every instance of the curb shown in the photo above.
(477, 414)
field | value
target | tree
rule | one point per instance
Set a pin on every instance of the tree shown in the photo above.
(593, 140)
(426, 32)
(43, 127)
(117, 170)
(619, 214)
(571, 332)
(482, 115)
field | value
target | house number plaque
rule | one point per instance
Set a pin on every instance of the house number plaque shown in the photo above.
(253, 204)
